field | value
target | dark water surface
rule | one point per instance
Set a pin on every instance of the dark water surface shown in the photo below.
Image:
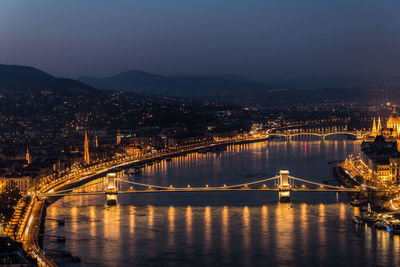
(224, 228)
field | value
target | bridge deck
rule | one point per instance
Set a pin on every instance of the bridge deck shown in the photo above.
(189, 190)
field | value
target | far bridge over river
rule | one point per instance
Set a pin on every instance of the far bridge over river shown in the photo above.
(289, 135)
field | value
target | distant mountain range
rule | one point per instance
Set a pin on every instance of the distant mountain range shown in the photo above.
(13, 77)
(230, 85)
(180, 85)
(226, 87)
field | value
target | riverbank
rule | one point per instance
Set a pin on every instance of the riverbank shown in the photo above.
(36, 214)
(378, 199)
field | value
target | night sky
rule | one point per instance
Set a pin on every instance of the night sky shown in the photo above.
(260, 39)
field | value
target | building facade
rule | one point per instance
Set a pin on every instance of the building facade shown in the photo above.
(23, 183)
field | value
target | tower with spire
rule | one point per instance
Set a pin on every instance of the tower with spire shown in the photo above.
(86, 150)
(118, 138)
(27, 156)
(374, 132)
(379, 127)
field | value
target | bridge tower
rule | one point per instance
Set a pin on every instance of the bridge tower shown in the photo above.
(111, 190)
(359, 135)
(284, 187)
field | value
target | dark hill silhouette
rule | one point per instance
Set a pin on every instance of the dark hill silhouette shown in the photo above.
(180, 85)
(14, 77)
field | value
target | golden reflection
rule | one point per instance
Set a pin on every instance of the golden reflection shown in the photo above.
(74, 220)
(52, 213)
(207, 237)
(322, 230)
(304, 223)
(356, 211)
(132, 220)
(105, 224)
(92, 218)
(246, 230)
(117, 219)
(336, 147)
(151, 220)
(342, 212)
(225, 230)
(284, 232)
(342, 232)
(189, 222)
(264, 225)
(171, 225)
(396, 247)
(171, 219)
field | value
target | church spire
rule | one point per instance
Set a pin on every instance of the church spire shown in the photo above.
(118, 137)
(86, 148)
(27, 156)
(374, 127)
(379, 128)
(394, 110)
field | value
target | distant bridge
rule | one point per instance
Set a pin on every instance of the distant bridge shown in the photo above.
(283, 183)
(289, 135)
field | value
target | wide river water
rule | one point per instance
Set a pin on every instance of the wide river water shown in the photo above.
(224, 228)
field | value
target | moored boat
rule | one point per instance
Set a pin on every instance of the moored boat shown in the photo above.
(357, 220)
(380, 224)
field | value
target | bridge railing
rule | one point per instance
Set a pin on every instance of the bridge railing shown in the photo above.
(272, 183)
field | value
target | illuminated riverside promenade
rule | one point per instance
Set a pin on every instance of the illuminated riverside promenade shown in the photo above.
(31, 219)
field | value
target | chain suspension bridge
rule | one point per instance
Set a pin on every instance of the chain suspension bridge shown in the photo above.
(282, 183)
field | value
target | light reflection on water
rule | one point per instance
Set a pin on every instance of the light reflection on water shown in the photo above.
(248, 228)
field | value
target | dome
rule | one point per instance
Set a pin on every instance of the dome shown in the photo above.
(394, 120)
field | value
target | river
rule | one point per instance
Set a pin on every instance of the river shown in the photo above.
(233, 228)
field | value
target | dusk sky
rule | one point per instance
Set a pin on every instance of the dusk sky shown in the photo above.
(275, 38)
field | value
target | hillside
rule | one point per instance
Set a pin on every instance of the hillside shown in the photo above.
(183, 85)
(13, 77)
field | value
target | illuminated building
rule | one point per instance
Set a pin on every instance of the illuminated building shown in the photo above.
(118, 138)
(27, 156)
(382, 160)
(86, 148)
(21, 182)
(380, 150)
(392, 130)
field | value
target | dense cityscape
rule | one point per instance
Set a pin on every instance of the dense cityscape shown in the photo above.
(262, 135)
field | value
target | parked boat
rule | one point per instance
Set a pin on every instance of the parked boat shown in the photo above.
(357, 220)
(369, 218)
(380, 224)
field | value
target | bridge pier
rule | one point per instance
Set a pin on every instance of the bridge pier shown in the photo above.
(284, 187)
(111, 190)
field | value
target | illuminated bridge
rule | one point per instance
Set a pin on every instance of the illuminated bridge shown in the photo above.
(283, 183)
(289, 135)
